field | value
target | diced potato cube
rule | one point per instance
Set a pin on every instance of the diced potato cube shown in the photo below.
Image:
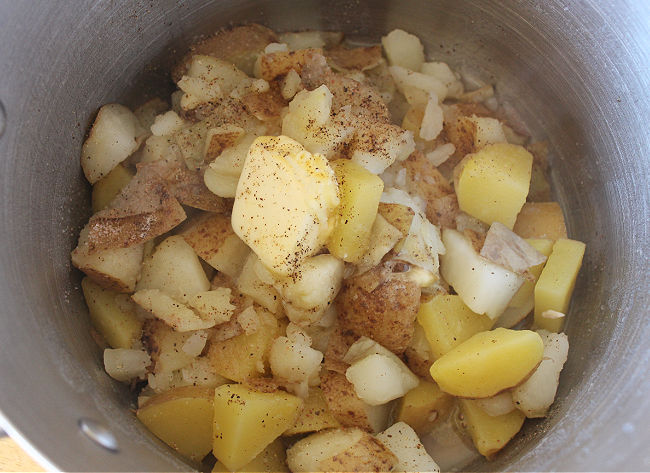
(314, 416)
(247, 421)
(115, 319)
(340, 450)
(485, 287)
(403, 49)
(109, 186)
(402, 440)
(111, 140)
(448, 322)
(174, 269)
(251, 284)
(294, 362)
(273, 458)
(540, 220)
(555, 285)
(285, 199)
(488, 363)
(500, 171)
(398, 215)
(182, 418)
(212, 238)
(487, 131)
(423, 405)
(166, 346)
(245, 356)
(360, 191)
(490, 434)
(222, 175)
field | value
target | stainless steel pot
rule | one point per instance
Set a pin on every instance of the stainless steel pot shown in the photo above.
(579, 72)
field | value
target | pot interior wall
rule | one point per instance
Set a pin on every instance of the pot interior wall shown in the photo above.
(569, 68)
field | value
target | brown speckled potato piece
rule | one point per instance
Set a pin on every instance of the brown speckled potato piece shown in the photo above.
(343, 402)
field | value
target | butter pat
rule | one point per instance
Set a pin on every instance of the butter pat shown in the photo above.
(285, 199)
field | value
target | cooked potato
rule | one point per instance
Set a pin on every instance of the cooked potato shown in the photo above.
(270, 66)
(360, 192)
(444, 74)
(310, 39)
(114, 318)
(208, 79)
(398, 215)
(417, 87)
(423, 406)
(488, 363)
(112, 139)
(182, 418)
(167, 123)
(147, 112)
(501, 171)
(383, 237)
(109, 186)
(405, 444)
(212, 238)
(347, 408)
(167, 346)
(377, 145)
(250, 284)
(424, 179)
(349, 59)
(222, 175)
(485, 287)
(448, 322)
(403, 49)
(314, 415)
(172, 312)
(340, 450)
(295, 362)
(279, 174)
(556, 282)
(245, 356)
(540, 220)
(490, 433)
(247, 421)
(125, 364)
(272, 458)
(386, 312)
(499, 404)
(505, 248)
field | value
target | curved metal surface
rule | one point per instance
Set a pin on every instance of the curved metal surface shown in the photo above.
(577, 71)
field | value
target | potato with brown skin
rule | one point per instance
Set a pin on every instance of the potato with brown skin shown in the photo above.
(272, 65)
(540, 220)
(337, 346)
(340, 450)
(398, 215)
(343, 402)
(380, 305)
(344, 59)
(265, 106)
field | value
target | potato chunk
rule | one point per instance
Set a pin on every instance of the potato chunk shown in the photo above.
(555, 285)
(501, 171)
(488, 363)
(314, 416)
(109, 186)
(540, 220)
(285, 198)
(448, 322)
(182, 418)
(115, 319)
(273, 458)
(340, 450)
(403, 49)
(402, 440)
(423, 405)
(247, 421)
(490, 434)
(360, 191)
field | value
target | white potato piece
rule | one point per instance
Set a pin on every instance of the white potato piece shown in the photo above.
(207, 79)
(441, 154)
(201, 373)
(167, 123)
(403, 49)
(377, 145)
(432, 120)
(295, 362)
(291, 85)
(160, 148)
(213, 306)
(535, 395)
(349, 449)
(488, 131)
(497, 405)
(174, 269)
(443, 73)
(174, 313)
(416, 86)
(222, 175)
(411, 455)
(124, 364)
(507, 249)
(383, 237)
(147, 112)
(377, 374)
(250, 284)
(485, 287)
(112, 139)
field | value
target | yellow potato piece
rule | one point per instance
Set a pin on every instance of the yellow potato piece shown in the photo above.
(314, 416)
(540, 220)
(492, 184)
(245, 356)
(182, 418)
(490, 434)
(423, 405)
(247, 421)
(447, 322)
(115, 320)
(272, 458)
(360, 191)
(488, 363)
(109, 186)
(555, 285)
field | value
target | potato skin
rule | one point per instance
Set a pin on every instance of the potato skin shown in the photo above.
(386, 313)
(343, 402)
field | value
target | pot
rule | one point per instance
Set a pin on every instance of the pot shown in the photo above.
(576, 71)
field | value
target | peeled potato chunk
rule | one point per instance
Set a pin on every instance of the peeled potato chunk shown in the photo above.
(273, 458)
(555, 285)
(423, 405)
(403, 49)
(488, 363)
(349, 449)
(447, 322)
(490, 433)
(360, 191)
(108, 187)
(541, 220)
(182, 418)
(247, 421)
(492, 184)
(314, 416)
(402, 440)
